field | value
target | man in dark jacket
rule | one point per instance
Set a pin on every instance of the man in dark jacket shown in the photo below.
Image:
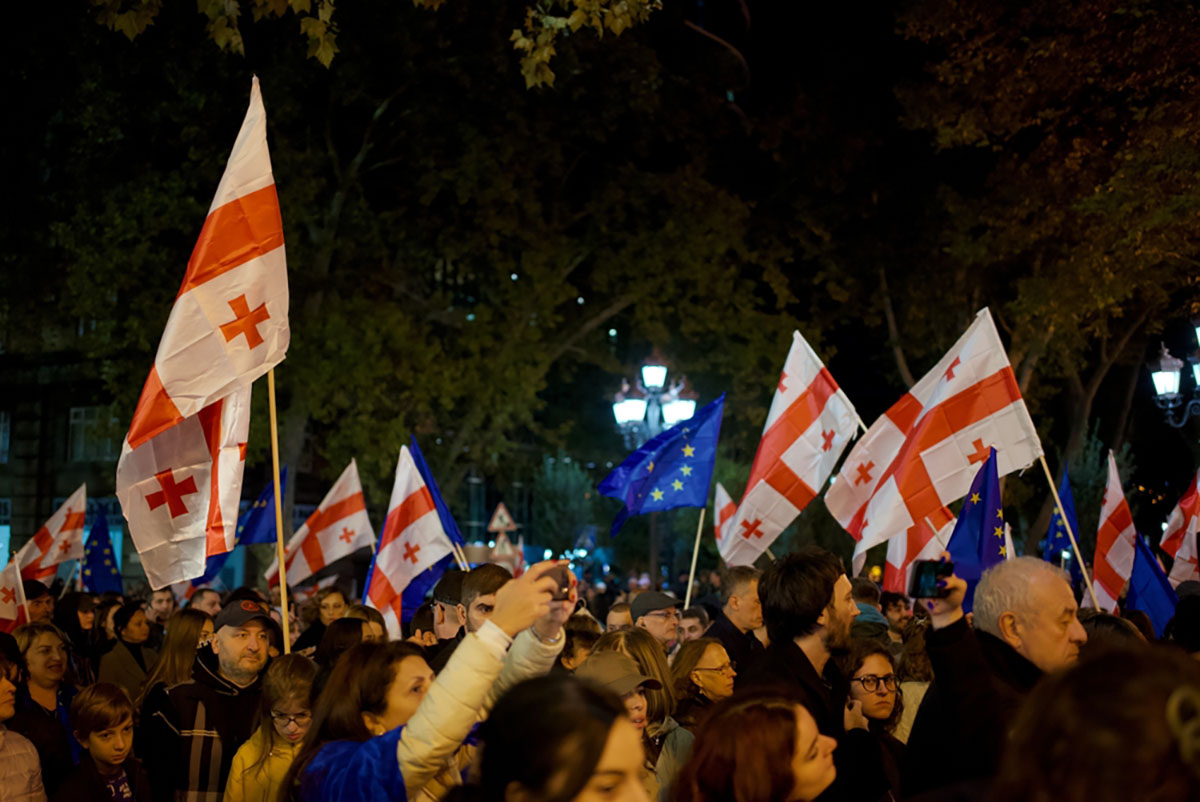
(741, 614)
(194, 730)
(808, 607)
(1025, 625)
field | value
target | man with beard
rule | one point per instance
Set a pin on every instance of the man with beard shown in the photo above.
(808, 607)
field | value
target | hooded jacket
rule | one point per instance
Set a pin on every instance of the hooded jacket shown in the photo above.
(194, 730)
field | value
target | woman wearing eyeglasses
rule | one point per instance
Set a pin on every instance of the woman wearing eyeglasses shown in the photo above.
(263, 761)
(873, 682)
(703, 675)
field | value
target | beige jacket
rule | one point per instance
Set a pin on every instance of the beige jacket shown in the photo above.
(430, 751)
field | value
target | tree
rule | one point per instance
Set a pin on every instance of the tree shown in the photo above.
(563, 503)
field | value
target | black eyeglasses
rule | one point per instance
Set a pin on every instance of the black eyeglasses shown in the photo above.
(871, 682)
(283, 719)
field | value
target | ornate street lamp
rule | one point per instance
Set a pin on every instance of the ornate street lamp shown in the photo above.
(1167, 373)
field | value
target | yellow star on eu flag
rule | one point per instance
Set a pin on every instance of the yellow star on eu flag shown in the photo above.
(974, 498)
(650, 467)
(1003, 552)
(678, 485)
(1000, 514)
(689, 451)
(999, 531)
(657, 494)
(686, 470)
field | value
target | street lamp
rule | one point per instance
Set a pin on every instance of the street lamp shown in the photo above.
(1166, 372)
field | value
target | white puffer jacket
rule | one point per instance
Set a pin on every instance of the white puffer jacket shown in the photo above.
(430, 750)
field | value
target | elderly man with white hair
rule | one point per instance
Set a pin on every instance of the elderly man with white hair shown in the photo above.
(1025, 625)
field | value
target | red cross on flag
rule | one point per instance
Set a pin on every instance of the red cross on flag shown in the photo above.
(723, 510)
(229, 324)
(919, 542)
(13, 612)
(338, 527)
(180, 491)
(1179, 538)
(60, 539)
(922, 454)
(1115, 545)
(412, 541)
(809, 424)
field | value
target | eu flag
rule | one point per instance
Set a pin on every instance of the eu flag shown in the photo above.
(978, 540)
(100, 572)
(256, 526)
(673, 469)
(1057, 540)
(1149, 590)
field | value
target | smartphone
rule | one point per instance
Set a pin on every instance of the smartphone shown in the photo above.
(925, 577)
(561, 575)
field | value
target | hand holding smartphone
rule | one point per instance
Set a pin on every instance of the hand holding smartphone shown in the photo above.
(925, 577)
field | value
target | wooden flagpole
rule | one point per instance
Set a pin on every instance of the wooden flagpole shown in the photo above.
(687, 597)
(1070, 534)
(279, 549)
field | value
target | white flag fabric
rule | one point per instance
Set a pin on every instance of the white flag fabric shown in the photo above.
(180, 490)
(808, 426)
(723, 510)
(1179, 538)
(12, 598)
(229, 323)
(58, 540)
(920, 542)
(412, 541)
(1115, 547)
(338, 527)
(922, 454)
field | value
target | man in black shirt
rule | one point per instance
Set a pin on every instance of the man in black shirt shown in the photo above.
(741, 614)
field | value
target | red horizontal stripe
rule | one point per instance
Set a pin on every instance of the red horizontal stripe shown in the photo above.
(794, 421)
(155, 411)
(243, 229)
(417, 505)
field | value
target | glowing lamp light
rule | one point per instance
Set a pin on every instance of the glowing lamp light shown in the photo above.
(654, 377)
(1166, 374)
(629, 410)
(678, 409)
(1196, 373)
(547, 554)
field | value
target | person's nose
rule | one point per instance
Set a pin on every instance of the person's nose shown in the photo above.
(1076, 632)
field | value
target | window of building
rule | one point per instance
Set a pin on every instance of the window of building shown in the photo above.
(92, 435)
(5, 434)
(5, 526)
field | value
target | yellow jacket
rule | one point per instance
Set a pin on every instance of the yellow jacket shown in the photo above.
(263, 783)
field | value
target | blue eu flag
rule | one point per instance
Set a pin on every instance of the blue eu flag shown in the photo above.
(978, 540)
(1057, 540)
(672, 469)
(100, 571)
(1149, 590)
(256, 526)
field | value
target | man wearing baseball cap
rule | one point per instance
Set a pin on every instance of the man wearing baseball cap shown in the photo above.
(658, 614)
(192, 730)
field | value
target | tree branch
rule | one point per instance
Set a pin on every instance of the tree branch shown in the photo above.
(894, 331)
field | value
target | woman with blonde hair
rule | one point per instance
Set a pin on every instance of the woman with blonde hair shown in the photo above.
(667, 744)
(43, 701)
(187, 630)
(261, 763)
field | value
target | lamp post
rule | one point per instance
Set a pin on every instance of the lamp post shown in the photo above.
(645, 410)
(1167, 374)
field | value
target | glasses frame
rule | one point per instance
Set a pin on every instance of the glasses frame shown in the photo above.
(286, 719)
(870, 682)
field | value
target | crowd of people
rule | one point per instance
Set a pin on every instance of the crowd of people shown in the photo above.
(796, 683)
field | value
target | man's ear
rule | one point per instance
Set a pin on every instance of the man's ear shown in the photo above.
(212, 643)
(641, 622)
(1010, 630)
(823, 618)
(735, 603)
(462, 614)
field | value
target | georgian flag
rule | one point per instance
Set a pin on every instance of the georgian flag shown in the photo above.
(723, 510)
(808, 426)
(923, 453)
(229, 324)
(180, 490)
(412, 541)
(1179, 538)
(60, 539)
(12, 598)
(919, 542)
(338, 527)
(1115, 546)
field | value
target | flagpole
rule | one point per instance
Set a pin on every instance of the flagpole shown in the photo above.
(279, 550)
(687, 597)
(1067, 525)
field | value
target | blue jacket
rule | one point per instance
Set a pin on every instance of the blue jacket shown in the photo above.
(355, 771)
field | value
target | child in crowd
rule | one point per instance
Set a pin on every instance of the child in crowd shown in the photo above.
(260, 764)
(102, 722)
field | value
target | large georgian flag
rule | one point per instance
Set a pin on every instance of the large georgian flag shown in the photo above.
(338, 527)
(808, 426)
(919, 542)
(1179, 539)
(1115, 546)
(412, 541)
(229, 324)
(723, 510)
(923, 453)
(60, 539)
(12, 598)
(180, 490)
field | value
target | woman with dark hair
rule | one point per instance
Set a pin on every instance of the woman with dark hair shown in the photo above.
(187, 630)
(582, 633)
(328, 606)
(556, 738)
(874, 683)
(916, 675)
(103, 637)
(340, 636)
(129, 662)
(757, 747)
(1123, 724)
(1107, 631)
(703, 675)
(385, 728)
(20, 768)
(75, 614)
(43, 701)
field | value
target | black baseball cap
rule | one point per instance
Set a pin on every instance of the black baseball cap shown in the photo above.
(448, 589)
(649, 601)
(34, 589)
(238, 613)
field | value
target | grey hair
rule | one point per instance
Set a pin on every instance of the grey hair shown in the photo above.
(1008, 587)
